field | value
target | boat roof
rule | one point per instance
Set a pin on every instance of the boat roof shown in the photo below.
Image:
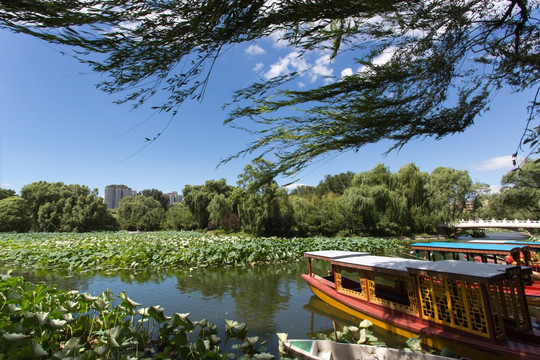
(477, 248)
(467, 270)
(331, 254)
(531, 244)
(453, 269)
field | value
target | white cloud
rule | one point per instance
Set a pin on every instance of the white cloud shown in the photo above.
(277, 37)
(383, 58)
(292, 62)
(254, 49)
(295, 186)
(321, 68)
(295, 62)
(496, 163)
(258, 67)
(346, 72)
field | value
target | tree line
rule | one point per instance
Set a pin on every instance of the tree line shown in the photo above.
(376, 202)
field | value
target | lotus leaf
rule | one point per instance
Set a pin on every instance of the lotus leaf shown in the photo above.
(143, 312)
(41, 317)
(100, 304)
(127, 300)
(263, 356)
(414, 343)
(57, 324)
(72, 305)
(366, 324)
(115, 332)
(13, 308)
(13, 337)
(363, 336)
(88, 298)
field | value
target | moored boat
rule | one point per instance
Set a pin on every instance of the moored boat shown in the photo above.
(534, 246)
(476, 310)
(510, 253)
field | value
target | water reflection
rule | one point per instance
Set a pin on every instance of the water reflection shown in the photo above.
(502, 236)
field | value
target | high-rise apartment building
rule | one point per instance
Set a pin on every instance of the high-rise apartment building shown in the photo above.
(114, 193)
(174, 197)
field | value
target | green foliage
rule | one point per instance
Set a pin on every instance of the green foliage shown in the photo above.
(163, 250)
(178, 217)
(39, 321)
(66, 208)
(361, 334)
(262, 205)
(5, 193)
(14, 215)
(425, 68)
(157, 195)
(449, 192)
(520, 194)
(140, 213)
(198, 198)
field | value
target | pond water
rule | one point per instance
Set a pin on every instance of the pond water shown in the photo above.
(269, 299)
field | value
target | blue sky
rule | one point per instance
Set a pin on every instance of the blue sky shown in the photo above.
(56, 126)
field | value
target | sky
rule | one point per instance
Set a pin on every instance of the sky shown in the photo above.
(55, 125)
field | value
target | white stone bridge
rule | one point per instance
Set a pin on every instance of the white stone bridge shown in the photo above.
(483, 224)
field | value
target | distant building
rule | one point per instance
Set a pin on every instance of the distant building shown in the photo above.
(174, 197)
(114, 193)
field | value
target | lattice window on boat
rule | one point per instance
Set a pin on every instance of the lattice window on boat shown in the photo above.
(459, 308)
(391, 291)
(351, 283)
(496, 299)
(426, 297)
(475, 303)
(441, 303)
(454, 303)
(516, 306)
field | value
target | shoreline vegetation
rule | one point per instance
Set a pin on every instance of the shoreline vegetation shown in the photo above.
(167, 249)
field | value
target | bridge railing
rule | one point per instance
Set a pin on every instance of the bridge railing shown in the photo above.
(497, 223)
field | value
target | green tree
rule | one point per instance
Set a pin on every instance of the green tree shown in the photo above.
(426, 68)
(263, 206)
(14, 215)
(5, 193)
(335, 183)
(198, 197)
(520, 193)
(178, 217)
(157, 195)
(219, 209)
(449, 191)
(60, 207)
(140, 213)
(360, 217)
(411, 183)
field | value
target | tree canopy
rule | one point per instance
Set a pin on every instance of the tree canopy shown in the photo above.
(425, 68)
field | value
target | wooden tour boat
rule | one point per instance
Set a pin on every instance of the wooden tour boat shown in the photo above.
(534, 247)
(520, 252)
(511, 253)
(476, 310)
